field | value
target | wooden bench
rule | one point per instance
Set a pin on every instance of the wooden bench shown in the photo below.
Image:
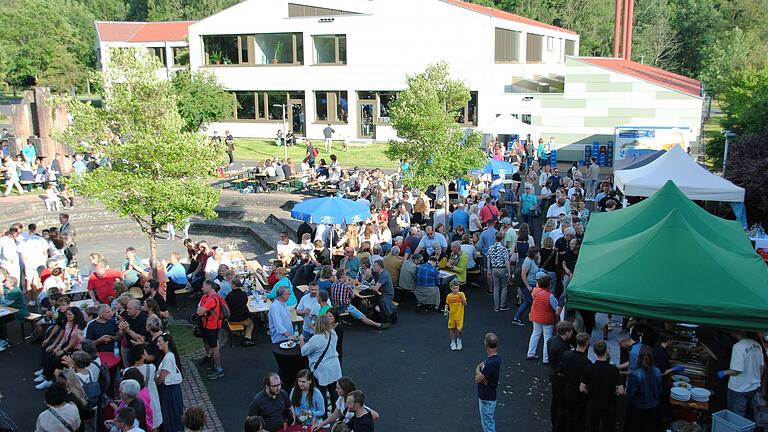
(239, 183)
(30, 319)
(28, 185)
(235, 329)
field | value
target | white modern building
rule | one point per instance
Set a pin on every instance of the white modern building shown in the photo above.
(343, 61)
(167, 41)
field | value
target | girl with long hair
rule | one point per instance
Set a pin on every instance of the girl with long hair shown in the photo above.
(306, 399)
(643, 392)
(168, 381)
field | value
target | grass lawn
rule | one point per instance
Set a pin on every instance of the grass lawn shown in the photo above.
(368, 157)
(186, 342)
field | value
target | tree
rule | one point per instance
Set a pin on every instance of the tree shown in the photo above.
(201, 99)
(434, 145)
(697, 24)
(746, 167)
(158, 173)
(655, 36)
(733, 51)
(48, 41)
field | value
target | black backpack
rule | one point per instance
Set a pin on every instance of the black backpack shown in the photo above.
(92, 388)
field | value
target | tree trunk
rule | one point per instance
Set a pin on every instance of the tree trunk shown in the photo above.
(153, 252)
(447, 206)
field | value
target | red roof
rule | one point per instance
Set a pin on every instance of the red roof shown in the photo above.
(651, 74)
(497, 13)
(142, 31)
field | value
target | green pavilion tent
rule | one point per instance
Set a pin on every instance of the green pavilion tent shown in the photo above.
(666, 258)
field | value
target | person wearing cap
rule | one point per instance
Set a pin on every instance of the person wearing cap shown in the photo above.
(528, 202)
(542, 315)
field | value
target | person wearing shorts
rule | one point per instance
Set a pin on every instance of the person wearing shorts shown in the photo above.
(210, 311)
(342, 293)
(454, 308)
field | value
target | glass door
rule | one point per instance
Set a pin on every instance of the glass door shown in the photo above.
(366, 120)
(296, 113)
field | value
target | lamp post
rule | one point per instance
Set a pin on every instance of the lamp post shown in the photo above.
(727, 134)
(285, 131)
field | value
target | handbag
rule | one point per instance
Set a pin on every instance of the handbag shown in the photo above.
(515, 256)
(322, 356)
(58, 417)
(197, 323)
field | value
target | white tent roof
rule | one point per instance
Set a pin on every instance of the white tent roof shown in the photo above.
(694, 181)
(508, 124)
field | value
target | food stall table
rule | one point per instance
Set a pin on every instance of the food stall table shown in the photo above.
(289, 363)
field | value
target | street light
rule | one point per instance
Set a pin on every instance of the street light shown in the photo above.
(285, 131)
(727, 134)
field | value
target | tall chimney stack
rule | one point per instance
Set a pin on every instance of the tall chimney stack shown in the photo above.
(618, 40)
(629, 27)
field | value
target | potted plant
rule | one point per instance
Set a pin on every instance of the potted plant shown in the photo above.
(278, 49)
(215, 57)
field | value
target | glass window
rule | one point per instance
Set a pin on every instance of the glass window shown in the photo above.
(221, 50)
(385, 101)
(467, 114)
(342, 106)
(278, 48)
(507, 47)
(276, 101)
(526, 118)
(246, 105)
(330, 49)
(244, 49)
(321, 106)
(570, 47)
(158, 53)
(180, 56)
(550, 43)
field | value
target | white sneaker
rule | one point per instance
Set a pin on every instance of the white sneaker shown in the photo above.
(453, 345)
(458, 345)
(44, 385)
(38, 372)
(39, 379)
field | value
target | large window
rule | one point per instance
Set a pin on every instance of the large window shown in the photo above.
(221, 50)
(507, 46)
(298, 10)
(534, 48)
(570, 47)
(330, 49)
(278, 48)
(468, 113)
(266, 105)
(180, 56)
(331, 106)
(158, 53)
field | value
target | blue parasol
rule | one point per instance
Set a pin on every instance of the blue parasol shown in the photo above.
(497, 167)
(331, 210)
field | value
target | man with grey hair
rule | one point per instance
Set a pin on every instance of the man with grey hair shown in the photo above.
(132, 326)
(565, 223)
(280, 325)
(103, 330)
(393, 262)
(129, 392)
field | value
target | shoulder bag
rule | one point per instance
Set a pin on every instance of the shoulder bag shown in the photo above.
(322, 356)
(58, 417)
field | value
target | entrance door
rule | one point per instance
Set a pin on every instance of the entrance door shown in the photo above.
(296, 111)
(366, 119)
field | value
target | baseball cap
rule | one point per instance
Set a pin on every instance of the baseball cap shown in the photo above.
(505, 221)
(398, 238)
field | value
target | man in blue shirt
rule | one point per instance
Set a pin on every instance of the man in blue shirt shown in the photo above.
(433, 243)
(280, 325)
(487, 238)
(350, 263)
(428, 285)
(177, 278)
(79, 166)
(460, 217)
(487, 379)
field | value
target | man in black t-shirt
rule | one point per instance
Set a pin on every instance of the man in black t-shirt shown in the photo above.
(487, 379)
(132, 326)
(237, 301)
(602, 382)
(556, 347)
(103, 330)
(272, 404)
(571, 368)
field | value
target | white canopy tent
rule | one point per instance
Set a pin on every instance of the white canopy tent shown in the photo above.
(509, 124)
(694, 181)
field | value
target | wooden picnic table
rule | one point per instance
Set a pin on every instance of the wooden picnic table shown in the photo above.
(6, 311)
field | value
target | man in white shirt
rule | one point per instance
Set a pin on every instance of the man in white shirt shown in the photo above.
(285, 247)
(9, 253)
(575, 189)
(557, 208)
(439, 217)
(34, 254)
(745, 371)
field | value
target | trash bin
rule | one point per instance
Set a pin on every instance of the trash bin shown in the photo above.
(728, 421)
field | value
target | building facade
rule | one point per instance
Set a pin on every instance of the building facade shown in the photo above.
(342, 62)
(166, 41)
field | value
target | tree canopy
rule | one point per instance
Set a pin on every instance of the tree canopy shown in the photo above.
(201, 99)
(433, 143)
(157, 172)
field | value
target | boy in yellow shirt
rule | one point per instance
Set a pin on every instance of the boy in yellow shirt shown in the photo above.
(454, 308)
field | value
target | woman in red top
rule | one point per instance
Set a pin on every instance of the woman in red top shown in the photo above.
(542, 315)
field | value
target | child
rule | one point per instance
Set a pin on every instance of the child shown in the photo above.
(454, 308)
(52, 198)
(67, 197)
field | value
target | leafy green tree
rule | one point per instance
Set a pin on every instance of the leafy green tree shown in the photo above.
(106, 10)
(698, 24)
(201, 99)
(746, 167)
(654, 40)
(434, 145)
(745, 101)
(733, 51)
(164, 10)
(158, 173)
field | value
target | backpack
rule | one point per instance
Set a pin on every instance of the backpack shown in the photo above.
(92, 388)
(315, 152)
(105, 378)
(223, 308)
